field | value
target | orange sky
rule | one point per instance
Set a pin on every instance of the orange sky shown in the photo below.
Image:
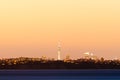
(33, 27)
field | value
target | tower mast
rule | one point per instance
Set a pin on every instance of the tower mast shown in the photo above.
(59, 51)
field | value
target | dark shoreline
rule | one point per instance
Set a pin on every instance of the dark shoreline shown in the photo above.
(39, 64)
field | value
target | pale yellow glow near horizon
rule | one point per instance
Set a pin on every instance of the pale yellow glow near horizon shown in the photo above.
(33, 27)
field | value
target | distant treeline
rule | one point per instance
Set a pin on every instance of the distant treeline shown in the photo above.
(39, 63)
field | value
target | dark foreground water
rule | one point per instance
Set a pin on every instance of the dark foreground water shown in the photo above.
(59, 74)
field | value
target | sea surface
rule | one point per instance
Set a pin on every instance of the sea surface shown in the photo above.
(60, 74)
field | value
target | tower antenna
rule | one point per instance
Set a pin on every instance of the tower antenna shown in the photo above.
(59, 51)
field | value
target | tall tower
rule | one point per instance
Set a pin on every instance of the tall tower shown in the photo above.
(59, 51)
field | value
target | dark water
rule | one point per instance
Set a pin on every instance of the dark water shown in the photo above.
(59, 74)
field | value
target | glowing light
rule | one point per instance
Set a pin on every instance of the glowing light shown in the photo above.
(87, 53)
(91, 54)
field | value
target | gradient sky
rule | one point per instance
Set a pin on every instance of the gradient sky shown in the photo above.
(32, 28)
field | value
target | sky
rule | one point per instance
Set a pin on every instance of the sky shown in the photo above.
(32, 28)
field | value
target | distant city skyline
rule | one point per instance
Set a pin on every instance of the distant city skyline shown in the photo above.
(32, 28)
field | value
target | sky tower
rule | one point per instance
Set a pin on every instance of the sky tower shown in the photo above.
(59, 51)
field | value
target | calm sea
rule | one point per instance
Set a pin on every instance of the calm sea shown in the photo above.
(59, 74)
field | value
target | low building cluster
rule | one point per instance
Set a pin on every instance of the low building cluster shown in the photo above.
(44, 63)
